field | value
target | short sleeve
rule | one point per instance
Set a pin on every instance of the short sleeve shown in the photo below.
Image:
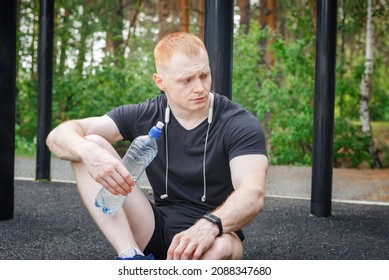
(245, 136)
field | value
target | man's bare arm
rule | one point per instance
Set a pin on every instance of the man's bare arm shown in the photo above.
(72, 141)
(67, 140)
(248, 178)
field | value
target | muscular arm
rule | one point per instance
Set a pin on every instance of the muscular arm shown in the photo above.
(68, 141)
(248, 178)
(71, 141)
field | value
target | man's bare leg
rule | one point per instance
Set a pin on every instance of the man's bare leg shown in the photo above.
(130, 227)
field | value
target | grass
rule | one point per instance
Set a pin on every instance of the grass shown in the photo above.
(381, 125)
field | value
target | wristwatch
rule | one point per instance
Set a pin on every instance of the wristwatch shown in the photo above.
(215, 220)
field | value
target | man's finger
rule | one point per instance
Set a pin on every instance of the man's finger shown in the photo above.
(112, 185)
(121, 184)
(172, 248)
(125, 180)
(189, 251)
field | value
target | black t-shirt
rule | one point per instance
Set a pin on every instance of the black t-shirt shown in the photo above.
(233, 132)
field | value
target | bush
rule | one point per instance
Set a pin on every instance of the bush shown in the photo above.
(282, 97)
(350, 145)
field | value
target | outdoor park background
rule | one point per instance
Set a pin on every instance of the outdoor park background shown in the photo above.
(103, 57)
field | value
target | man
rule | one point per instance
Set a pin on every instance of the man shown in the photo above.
(211, 161)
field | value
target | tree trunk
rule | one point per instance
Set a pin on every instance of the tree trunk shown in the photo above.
(133, 21)
(271, 22)
(174, 10)
(312, 5)
(366, 86)
(200, 19)
(267, 14)
(63, 27)
(184, 15)
(163, 13)
(115, 29)
(351, 56)
(244, 11)
(267, 17)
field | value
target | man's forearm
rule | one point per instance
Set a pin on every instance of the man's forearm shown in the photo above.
(240, 208)
(248, 175)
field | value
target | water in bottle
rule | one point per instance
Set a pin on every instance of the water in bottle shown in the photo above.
(141, 152)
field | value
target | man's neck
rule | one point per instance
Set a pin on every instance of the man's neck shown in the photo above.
(190, 120)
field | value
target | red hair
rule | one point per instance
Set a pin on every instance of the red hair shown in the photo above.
(177, 42)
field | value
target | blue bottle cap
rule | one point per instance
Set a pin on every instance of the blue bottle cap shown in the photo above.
(155, 131)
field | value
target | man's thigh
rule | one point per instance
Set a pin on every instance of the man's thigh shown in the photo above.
(170, 220)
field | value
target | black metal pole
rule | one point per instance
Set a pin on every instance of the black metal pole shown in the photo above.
(218, 39)
(324, 108)
(8, 16)
(45, 83)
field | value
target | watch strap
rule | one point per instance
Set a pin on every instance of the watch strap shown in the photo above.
(215, 220)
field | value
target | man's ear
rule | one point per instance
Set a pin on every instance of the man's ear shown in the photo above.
(158, 81)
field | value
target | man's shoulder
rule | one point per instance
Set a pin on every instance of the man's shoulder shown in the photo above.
(231, 112)
(136, 119)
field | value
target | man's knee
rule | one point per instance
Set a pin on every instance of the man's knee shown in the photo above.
(97, 139)
(103, 143)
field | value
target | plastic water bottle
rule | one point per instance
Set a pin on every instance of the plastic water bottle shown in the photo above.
(138, 156)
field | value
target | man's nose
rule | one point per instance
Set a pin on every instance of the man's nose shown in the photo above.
(199, 85)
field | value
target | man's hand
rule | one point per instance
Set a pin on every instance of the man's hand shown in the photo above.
(108, 171)
(89, 140)
(192, 243)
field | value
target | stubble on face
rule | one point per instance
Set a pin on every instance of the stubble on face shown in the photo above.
(189, 76)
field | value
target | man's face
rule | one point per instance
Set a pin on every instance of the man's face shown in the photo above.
(186, 81)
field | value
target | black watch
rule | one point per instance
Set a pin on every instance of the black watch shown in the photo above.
(215, 220)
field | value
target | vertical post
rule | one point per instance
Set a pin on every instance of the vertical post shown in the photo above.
(7, 106)
(324, 108)
(218, 39)
(45, 82)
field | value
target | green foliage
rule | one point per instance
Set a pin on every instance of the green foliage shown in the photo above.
(23, 146)
(26, 115)
(292, 102)
(350, 145)
(79, 95)
(347, 89)
(380, 98)
(246, 73)
(281, 96)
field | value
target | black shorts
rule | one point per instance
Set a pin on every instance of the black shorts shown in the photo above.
(169, 220)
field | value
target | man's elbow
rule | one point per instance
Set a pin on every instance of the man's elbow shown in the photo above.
(50, 141)
(260, 202)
